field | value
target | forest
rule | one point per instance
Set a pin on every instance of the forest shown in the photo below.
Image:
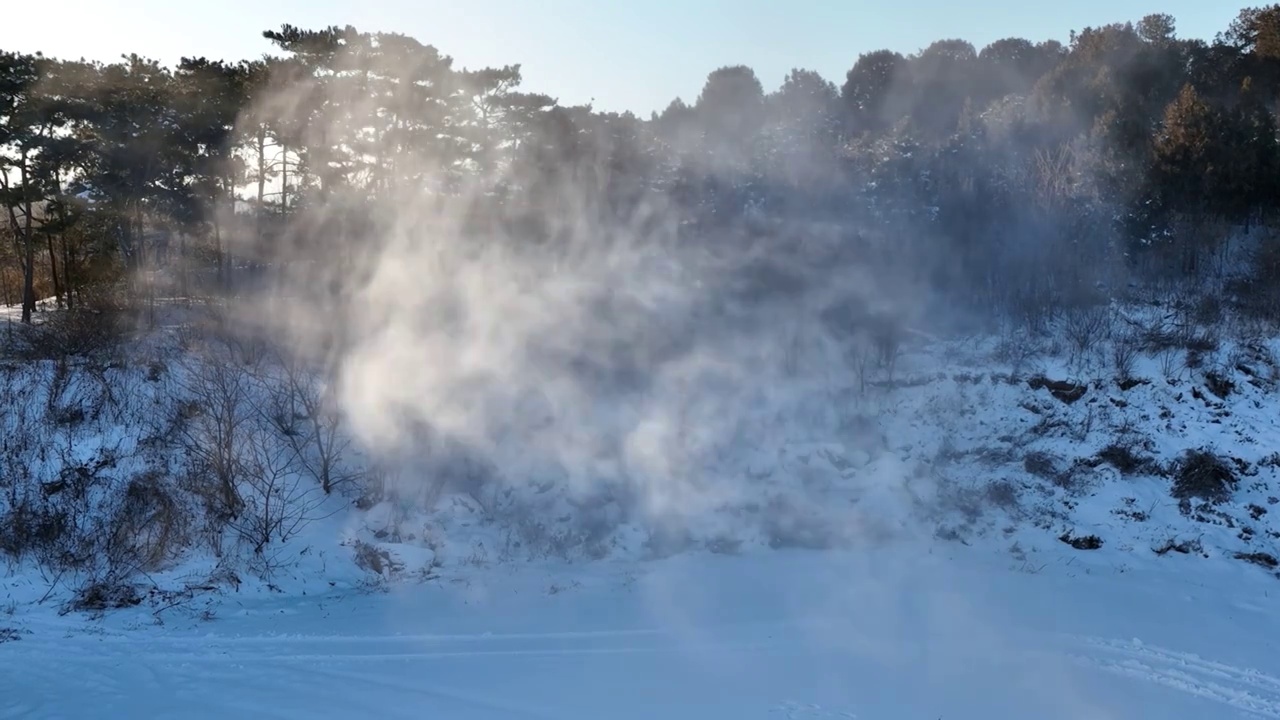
(1016, 178)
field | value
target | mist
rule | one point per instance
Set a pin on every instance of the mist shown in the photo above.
(568, 332)
(654, 363)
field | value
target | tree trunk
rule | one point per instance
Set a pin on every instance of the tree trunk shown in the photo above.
(284, 179)
(261, 173)
(17, 243)
(28, 280)
(282, 215)
(59, 287)
(228, 252)
(68, 281)
(53, 270)
(217, 243)
(4, 285)
(262, 181)
(28, 252)
(183, 268)
(142, 263)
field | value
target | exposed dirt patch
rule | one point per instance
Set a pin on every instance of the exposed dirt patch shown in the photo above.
(1082, 542)
(1266, 560)
(1128, 384)
(1219, 384)
(1184, 547)
(1067, 392)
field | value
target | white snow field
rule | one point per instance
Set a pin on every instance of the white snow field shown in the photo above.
(894, 634)
(962, 543)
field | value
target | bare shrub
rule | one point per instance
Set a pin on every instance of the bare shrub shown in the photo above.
(243, 342)
(1203, 340)
(276, 501)
(540, 542)
(1259, 291)
(1121, 455)
(1084, 427)
(886, 334)
(870, 333)
(374, 560)
(1180, 330)
(1018, 351)
(378, 484)
(251, 477)
(148, 527)
(1124, 355)
(33, 522)
(33, 527)
(859, 354)
(1203, 474)
(1160, 338)
(99, 595)
(212, 428)
(1169, 365)
(58, 519)
(1034, 308)
(311, 424)
(96, 328)
(1208, 311)
(1193, 360)
(1085, 329)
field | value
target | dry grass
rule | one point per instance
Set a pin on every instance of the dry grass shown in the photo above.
(1203, 474)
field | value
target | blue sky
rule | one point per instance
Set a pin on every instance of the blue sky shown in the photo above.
(625, 55)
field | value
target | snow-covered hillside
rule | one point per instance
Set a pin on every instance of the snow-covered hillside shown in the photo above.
(988, 527)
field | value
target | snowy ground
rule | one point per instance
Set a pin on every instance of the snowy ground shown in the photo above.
(893, 634)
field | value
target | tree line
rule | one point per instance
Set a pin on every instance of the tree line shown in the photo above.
(1017, 171)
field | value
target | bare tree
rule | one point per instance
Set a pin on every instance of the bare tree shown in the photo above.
(886, 331)
(277, 501)
(262, 490)
(310, 424)
(214, 423)
(859, 354)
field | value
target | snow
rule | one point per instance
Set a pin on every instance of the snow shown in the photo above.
(893, 552)
(920, 632)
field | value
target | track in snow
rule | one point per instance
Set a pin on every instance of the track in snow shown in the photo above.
(1244, 689)
(336, 676)
(792, 710)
